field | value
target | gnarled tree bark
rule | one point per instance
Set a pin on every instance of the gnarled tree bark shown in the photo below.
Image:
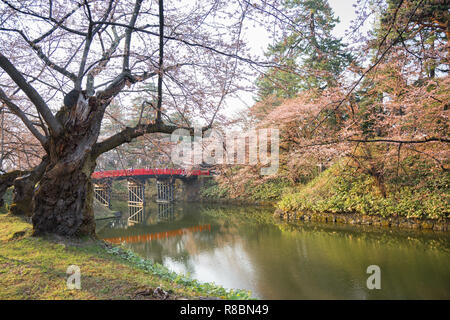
(6, 181)
(24, 187)
(62, 202)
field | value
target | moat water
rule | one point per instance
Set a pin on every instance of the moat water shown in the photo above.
(246, 248)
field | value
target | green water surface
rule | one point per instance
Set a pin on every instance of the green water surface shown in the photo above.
(245, 247)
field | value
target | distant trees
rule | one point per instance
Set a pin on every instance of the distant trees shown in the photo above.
(389, 118)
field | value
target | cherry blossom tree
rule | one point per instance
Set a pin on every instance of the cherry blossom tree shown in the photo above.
(193, 53)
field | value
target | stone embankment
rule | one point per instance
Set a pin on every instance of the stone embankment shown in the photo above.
(358, 219)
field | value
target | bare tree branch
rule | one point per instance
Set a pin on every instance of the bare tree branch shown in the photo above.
(44, 57)
(128, 134)
(61, 25)
(16, 110)
(54, 125)
(161, 59)
(128, 32)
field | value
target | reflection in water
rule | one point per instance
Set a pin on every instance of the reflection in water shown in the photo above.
(165, 212)
(157, 235)
(246, 248)
(136, 217)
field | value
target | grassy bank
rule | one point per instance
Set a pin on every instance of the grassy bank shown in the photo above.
(265, 193)
(35, 268)
(338, 189)
(102, 212)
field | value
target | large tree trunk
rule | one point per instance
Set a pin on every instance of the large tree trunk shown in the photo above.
(62, 202)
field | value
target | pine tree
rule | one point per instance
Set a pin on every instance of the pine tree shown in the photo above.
(309, 57)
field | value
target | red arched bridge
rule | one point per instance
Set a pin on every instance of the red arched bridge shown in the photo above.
(150, 173)
(136, 185)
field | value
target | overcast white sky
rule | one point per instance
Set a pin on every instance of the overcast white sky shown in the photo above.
(259, 41)
(345, 11)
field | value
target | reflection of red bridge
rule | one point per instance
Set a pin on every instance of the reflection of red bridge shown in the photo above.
(158, 235)
(150, 173)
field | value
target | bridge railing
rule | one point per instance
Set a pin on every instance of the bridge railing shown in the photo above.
(147, 172)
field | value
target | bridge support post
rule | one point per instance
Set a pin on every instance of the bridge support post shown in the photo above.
(136, 201)
(102, 192)
(165, 188)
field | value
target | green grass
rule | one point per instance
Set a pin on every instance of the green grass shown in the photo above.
(102, 212)
(341, 190)
(212, 190)
(268, 191)
(35, 268)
